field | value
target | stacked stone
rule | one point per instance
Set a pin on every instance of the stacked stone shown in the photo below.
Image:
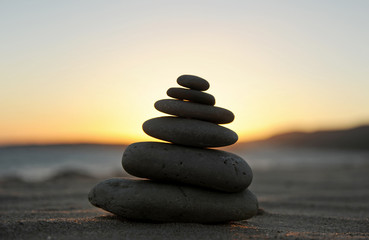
(192, 183)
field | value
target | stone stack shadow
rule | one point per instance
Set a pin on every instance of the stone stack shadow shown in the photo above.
(188, 181)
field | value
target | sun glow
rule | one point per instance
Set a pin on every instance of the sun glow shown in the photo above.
(96, 80)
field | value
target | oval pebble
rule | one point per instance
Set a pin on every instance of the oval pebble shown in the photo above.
(163, 202)
(208, 168)
(191, 95)
(193, 82)
(189, 132)
(195, 110)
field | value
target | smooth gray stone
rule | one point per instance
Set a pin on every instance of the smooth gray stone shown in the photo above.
(195, 110)
(191, 95)
(189, 132)
(193, 82)
(153, 201)
(208, 168)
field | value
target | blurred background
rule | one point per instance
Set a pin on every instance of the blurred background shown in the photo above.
(78, 79)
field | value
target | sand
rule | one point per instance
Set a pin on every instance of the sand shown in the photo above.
(328, 203)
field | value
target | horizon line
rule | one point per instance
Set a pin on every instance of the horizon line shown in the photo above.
(126, 143)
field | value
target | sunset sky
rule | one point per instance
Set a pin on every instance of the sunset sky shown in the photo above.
(91, 71)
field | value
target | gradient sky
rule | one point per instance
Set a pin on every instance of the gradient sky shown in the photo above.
(74, 71)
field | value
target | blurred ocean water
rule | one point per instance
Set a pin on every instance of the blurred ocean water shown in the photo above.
(36, 163)
(41, 162)
(291, 158)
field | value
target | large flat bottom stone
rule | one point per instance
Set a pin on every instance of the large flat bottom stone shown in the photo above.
(163, 202)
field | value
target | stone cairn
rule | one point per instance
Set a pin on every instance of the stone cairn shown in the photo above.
(188, 181)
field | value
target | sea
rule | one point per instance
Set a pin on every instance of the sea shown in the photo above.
(39, 163)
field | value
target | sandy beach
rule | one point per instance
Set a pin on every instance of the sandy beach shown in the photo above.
(306, 203)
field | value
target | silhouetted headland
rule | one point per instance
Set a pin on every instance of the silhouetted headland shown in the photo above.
(348, 139)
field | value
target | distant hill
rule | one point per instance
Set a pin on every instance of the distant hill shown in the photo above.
(354, 138)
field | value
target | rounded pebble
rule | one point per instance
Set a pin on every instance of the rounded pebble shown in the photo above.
(189, 132)
(193, 82)
(195, 110)
(208, 168)
(191, 95)
(161, 202)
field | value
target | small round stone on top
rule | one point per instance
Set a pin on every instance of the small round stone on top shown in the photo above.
(193, 82)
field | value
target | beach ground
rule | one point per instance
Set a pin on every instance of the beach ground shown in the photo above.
(320, 203)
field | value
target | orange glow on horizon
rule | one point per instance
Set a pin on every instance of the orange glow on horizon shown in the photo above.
(92, 79)
(126, 139)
